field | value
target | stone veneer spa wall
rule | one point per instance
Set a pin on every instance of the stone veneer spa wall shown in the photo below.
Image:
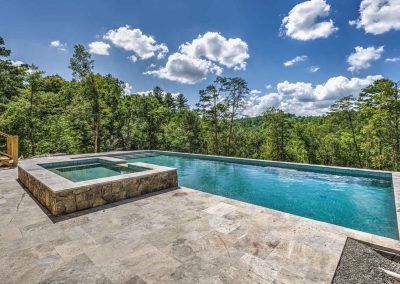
(93, 193)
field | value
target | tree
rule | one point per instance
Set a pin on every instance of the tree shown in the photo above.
(110, 91)
(151, 114)
(12, 76)
(237, 91)
(34, 80)
(278, 134)
(380, 102)
(212, 110)
(158, 93)
(181, 102)
(343, 113)
(169, 102)
(185, 132)
(81, 65)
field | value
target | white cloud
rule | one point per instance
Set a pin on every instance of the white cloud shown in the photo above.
(127, 89)
(151, 66)
(205, 54)
(132, 39)
(269, 86)
(340, 86)
(132, 58)
(313, 69)
(295, 60)
(362, 57)
(99, 48)
(59, 45)
(378, 16)
(17, 63)
(185, 69)
(232, 52)
(393, 59)
(257, 105)
(255, 92)
(304, 98)
(304, 21)
(303, 92)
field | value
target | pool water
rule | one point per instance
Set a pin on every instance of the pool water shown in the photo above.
(364, 204)
(85, 172)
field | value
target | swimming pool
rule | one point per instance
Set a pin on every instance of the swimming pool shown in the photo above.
(361, 203)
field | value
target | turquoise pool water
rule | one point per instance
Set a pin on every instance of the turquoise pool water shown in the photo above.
(365, 204)
(84, 172)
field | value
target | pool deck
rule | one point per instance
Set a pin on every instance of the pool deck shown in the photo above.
(178, 236)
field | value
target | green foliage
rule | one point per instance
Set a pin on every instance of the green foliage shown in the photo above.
(278, 129)
(91, 113)
(11, 76)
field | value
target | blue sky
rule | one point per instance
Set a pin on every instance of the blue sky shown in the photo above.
(250, 39)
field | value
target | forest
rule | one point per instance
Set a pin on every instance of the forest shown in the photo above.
(92, 113)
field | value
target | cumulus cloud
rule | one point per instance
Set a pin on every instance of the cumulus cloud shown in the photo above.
(232, 52)
(257, 105)
(59, 45)
(269, 86)
(301, 91)
(208, 53)
(304, 98)
(185, 69)
(99, 48)
(393, 59)
(362, 57)
(340, 86)
(295, 60)
(313, 69)
(304, 21)
(378, 16)
(131, 39)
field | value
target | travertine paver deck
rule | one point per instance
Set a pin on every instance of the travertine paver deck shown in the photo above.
(180, 236)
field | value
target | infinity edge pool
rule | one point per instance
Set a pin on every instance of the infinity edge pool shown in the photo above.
(392, 177)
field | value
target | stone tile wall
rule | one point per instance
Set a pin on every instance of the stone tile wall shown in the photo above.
(96, 194)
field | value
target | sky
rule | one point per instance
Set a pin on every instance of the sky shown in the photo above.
(299, 56)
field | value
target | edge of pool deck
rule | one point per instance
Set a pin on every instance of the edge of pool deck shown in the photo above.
(375, 240)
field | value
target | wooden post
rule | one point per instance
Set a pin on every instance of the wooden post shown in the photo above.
(12, 148)
(15, 150)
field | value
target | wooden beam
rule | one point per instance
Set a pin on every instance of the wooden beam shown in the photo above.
(12, 147)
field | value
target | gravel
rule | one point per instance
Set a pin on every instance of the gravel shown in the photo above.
(361, 264)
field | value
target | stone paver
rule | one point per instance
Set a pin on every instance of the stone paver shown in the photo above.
(179, 236)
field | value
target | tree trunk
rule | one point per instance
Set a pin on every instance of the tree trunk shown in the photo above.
(32, 134)
(216, 144)
(96, 113)
(355, 141)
